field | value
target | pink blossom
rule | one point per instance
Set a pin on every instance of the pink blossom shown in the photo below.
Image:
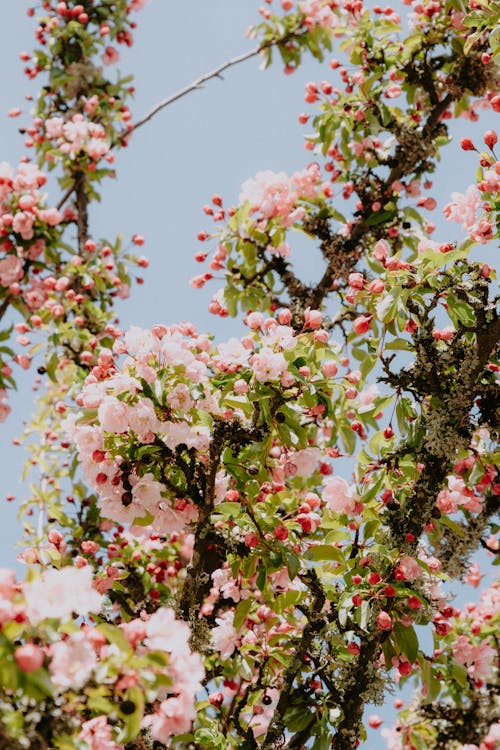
(98, 734)
(97, 148)
(142, 420)
(50, 216)
(381, 250)
(225, 584)
(479, 659)
(231, 355)
(463, 208)
(113, 415)
(165, 633)
(4, 406)
(180, 398)
(409, 569)
(7, 583)
(456, 496)
(59, 593)
(305, 461)
(11, 270)
(312, 318)
(339, 496)
(318, 13)
(481, 231)
(473, 576)
(268, 365)
(72, 662)
(224, 635)
(174, 716)
(393, 91)
(54, 127)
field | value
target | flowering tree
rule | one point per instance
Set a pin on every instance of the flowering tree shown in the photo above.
(242, 544)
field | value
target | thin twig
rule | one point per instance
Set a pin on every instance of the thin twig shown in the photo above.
(198, 83)
(66, 195)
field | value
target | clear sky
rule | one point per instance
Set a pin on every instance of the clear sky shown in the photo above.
(209, 142)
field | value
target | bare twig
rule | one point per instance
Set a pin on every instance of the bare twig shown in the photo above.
(198, 84)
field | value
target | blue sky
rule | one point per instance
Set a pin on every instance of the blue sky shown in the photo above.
(210, 142)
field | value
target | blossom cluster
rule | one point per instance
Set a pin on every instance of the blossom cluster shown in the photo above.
(138, 663)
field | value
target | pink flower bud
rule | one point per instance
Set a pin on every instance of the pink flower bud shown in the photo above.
(29, 657)
(384, 621)
(362, 324)
(467, 144)
(490, 138)
(312, 318)
(329, 368)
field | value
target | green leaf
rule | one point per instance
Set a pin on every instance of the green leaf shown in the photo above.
(407, 641)
(287, 599)
(115, 636)
(292, 563)
(144, 520)
(241, 612)
(261, 577)
(458, 530)
(460, 311)
(133, 721)
(324, 552)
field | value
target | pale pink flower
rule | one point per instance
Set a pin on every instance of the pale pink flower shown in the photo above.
(225, 584)
(142, 419)
(268, 365)
(231, 355)
(11, 270)
(180, 398)
(481, 231)
(339, 496)
(473, 576)
(7, 583)
(305, 461)
(479, 659)
(50, 216)
(254, 190)
(113, 415)
(165, 633)
(318, 13)
(98, 734)
(148, 492)
(393, 739)
(4, 406)
(28, 177)
(458, 495)
(54, 127)
(409, 569)
(174, 716)
(59, 593)
(172, 519)
(140, 341)
(281, 336)
(72, 662)
(97, 148)
(176, 433)
(224, 635)
(463, 208)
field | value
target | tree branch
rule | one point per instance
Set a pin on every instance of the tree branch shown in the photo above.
(198, 84)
